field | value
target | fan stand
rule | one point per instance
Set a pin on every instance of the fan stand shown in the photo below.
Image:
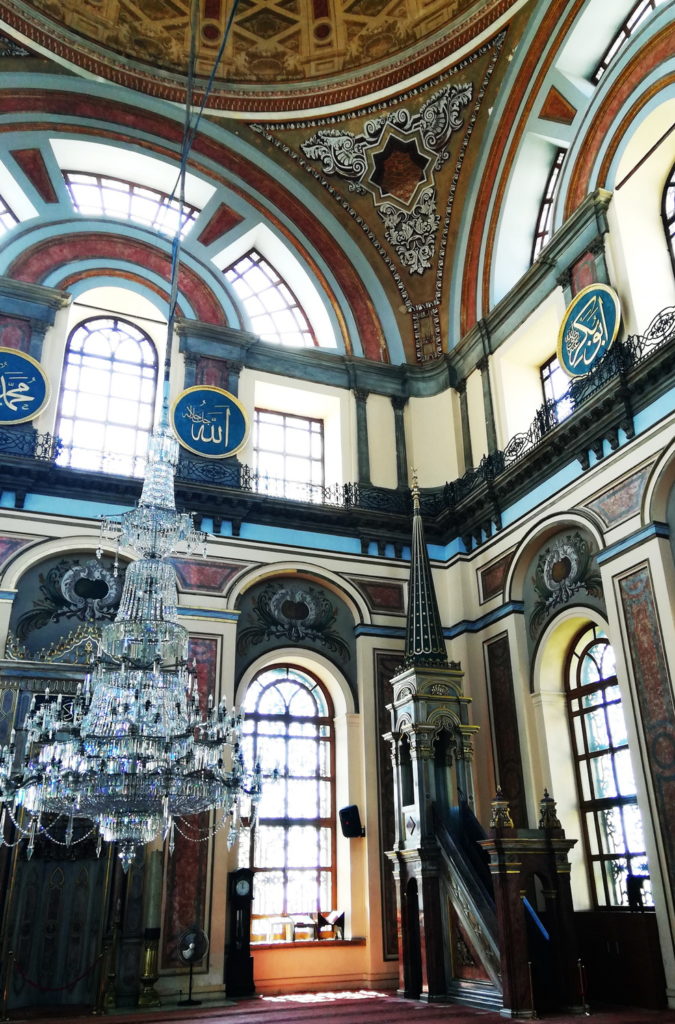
(190, 1001)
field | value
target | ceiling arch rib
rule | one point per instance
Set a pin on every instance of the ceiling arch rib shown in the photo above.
(345, 278)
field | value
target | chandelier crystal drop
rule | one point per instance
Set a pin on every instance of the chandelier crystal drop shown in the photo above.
(133, 749)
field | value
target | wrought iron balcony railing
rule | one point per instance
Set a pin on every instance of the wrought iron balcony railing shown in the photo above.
(601, 401)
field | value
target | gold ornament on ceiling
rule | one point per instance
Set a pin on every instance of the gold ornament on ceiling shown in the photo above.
(283, 45)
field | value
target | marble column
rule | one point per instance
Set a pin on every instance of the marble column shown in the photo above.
(362, 448)
(399, 403)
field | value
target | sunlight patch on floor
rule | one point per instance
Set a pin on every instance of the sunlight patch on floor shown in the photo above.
(324, 997)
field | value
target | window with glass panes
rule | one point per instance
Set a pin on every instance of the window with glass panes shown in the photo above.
(288, 728)
(7, 217)
(107, 402)
(288, 455)
(99, 196)
(637, 15)
(555, 385)
(668, 213)
(542, 232)
(612, 823)
(275, 313)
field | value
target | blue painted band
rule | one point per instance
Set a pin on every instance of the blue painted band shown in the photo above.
(639, 537)
(397, 632)
(7, 595)
(465, 626)
(449, 632)
(209, 613)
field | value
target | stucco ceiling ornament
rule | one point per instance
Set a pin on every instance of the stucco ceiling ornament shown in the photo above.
(394, 160)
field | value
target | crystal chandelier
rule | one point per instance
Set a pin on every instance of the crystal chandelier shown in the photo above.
(132, 750)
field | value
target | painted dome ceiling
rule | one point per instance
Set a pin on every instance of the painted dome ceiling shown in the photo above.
(280, 54)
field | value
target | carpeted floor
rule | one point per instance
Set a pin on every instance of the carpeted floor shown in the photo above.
(342, 1008)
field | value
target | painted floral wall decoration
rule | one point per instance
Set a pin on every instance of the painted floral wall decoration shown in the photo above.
(563, 569)
(293, 614)
(61, 597)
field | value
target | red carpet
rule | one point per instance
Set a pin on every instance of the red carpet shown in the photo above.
(345, 1008)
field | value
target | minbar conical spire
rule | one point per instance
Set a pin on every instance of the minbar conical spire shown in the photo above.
(424, 643)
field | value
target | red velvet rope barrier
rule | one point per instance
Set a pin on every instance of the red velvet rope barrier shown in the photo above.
(60, 988)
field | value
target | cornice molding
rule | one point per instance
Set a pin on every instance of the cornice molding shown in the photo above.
(31, 301)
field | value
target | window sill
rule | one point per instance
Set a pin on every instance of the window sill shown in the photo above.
(308, 944)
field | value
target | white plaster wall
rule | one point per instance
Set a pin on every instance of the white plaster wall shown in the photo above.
(641, 268)
(332, 405)
(474, 397)
(432, 442)
(381, 441)
(515, 367)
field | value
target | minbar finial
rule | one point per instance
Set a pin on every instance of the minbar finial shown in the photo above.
(501, 814)
(547, 815)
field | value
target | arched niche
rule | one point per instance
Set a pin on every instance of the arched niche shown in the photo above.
(541, 532)
(298, 612)
(60, 599)
(657, 502)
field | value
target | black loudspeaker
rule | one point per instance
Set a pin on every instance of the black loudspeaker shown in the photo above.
(350, 822)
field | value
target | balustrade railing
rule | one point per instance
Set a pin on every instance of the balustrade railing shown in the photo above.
(623, 357)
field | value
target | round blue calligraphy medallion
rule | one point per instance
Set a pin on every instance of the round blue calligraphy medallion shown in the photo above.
(588, 330)
(24, 388)
(209, 422)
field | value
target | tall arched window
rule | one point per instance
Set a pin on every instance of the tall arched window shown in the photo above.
(289, 727)
(612, 823)
(106, 410)
(668, 213)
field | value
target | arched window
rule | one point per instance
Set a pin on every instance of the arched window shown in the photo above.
(668, 213)
(612, 823)
(98, 195)
(542, 231)
(274, 311)
(106, 410)
(289, 727)
(636, 16)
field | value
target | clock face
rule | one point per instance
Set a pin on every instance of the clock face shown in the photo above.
(242, 887)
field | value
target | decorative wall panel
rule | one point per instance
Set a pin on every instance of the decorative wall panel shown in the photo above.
(622, 500)
(493, 577)
(654, 690)
(60, 594)
(186, 870)
(387, 665)
(508, 760)
(199, 576)
(381, 595)
(15, 333)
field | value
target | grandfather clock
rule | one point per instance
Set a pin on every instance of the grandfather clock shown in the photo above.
(239, 962)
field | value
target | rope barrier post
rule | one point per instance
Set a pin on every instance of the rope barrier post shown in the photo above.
(582, 986)
(97, 1009)
(7, 981)
(529, 973)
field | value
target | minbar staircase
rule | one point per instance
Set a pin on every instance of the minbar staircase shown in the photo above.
(471, 937)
